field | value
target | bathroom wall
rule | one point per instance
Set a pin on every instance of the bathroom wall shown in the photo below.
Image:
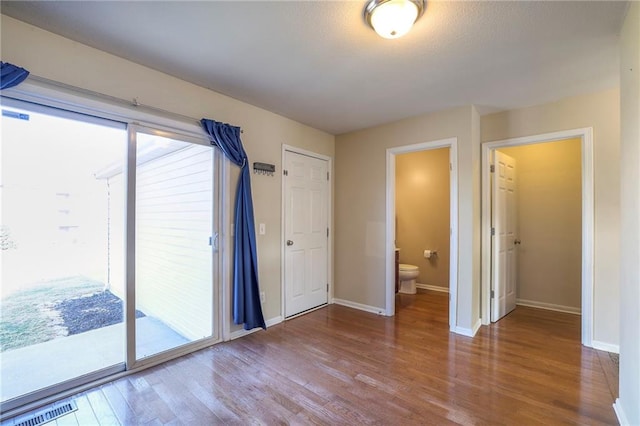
(549, 214)
(360, 208)
(422, 213)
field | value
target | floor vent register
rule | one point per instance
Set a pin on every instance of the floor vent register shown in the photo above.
(47, 414)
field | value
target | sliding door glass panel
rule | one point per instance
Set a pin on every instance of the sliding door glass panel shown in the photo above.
(174, 241)
(62, 240)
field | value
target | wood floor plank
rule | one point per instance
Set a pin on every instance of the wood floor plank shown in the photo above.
(101, 408)
(69, 419)
(143, 400)
(119, 405)
(338, 365)
(85, 414)
(176, 396)
(609, 363)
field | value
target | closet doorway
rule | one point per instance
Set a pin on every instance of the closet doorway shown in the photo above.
(491, 262)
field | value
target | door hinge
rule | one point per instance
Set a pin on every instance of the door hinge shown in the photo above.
(493, 231)
(285, 172)
(327, 232)
(492, 168)
(327, 175)
(493, 294)
(327, 287)
(450, 166)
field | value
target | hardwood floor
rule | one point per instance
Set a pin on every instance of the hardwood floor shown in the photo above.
(342, 366)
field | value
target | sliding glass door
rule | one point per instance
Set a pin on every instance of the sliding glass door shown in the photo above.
(109, 248)
(60, 318)
(174, 241)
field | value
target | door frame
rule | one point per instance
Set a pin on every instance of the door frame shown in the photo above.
(283, 295)
(452, 144)
(586, 137)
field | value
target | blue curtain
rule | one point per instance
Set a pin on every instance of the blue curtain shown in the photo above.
(11, 75)
(246, 293)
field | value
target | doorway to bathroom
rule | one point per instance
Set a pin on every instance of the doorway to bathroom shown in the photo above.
(538, 210)
(422, 220)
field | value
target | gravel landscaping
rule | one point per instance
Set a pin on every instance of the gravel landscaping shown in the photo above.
(56, 309)
(93, 311)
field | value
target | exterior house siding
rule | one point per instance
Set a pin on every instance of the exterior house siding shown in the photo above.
(174, 218)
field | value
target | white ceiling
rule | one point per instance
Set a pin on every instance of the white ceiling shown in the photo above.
(318, 63)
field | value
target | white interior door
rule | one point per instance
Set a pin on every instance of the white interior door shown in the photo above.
(504, 242)
(306, 232)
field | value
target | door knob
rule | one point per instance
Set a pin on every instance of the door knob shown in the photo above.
(289, 242)
(516, 241)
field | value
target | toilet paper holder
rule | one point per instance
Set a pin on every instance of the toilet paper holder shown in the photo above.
(428, 254)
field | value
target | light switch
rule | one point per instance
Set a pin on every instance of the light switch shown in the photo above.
(263, 229)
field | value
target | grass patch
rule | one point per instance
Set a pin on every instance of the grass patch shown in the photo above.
(29, 317)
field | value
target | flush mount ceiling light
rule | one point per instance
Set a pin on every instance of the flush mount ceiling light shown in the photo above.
(393, 18)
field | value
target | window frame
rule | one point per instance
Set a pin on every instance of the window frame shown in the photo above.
(69, 102)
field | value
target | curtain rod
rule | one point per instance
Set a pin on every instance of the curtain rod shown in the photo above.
(132, 103)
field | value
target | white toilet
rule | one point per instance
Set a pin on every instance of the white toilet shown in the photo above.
(408, 275)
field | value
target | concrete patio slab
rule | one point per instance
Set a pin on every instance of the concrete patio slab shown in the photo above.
(45, 364)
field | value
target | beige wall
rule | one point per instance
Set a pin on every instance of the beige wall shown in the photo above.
(601, 111)
(361, 202)
(359, 167)
(549, 217)
(422, 213)
(630, 218)
(60, 59)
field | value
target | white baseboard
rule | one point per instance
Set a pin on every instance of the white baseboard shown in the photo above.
(274, 321)
(469, 332)
(549, 306)
(607, 347)
(432, 287)
(360, 306)
(240, 333)
(622, 417)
